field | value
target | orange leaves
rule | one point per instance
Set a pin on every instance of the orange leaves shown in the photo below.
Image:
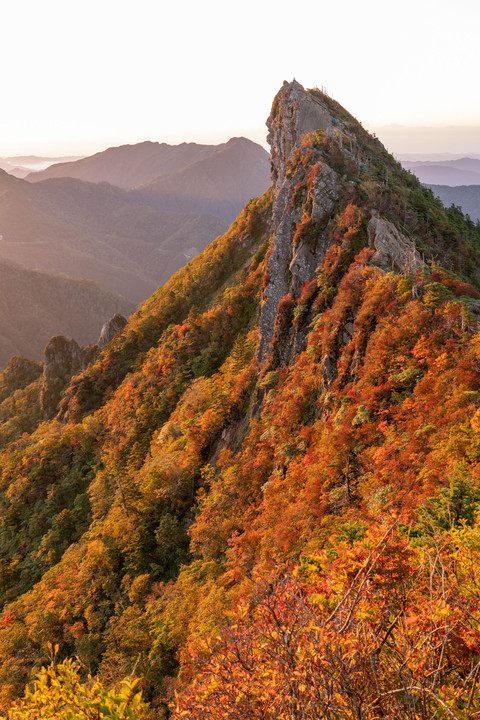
(350, 220)
(376, 631)
(6, 619)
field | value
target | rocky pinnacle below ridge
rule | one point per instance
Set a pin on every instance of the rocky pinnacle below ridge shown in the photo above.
(65, 358)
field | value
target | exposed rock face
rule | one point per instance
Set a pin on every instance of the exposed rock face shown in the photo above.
(294, 113)
(393, 250)
(65, 358)
(314, 146)
(110, 329)
(294, 259)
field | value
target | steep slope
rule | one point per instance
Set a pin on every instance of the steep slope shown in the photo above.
(262, 496)
(219, 184)
(35, 305)
(97, 232)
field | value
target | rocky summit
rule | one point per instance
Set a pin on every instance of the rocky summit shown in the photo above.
(259, 497)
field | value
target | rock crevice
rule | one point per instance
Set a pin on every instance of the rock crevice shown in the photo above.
(293, 258)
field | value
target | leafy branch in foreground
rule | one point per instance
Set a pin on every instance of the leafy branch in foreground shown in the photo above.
(58, 693)
(379, 629)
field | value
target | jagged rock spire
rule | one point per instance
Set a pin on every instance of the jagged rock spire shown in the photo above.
(295, 112)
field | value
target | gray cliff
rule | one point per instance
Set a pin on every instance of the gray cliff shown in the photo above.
(314, 143)
(295, 112)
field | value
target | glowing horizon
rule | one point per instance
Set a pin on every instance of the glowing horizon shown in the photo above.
(97, 75)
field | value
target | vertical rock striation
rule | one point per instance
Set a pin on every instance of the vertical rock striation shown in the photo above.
(318, 154)
(293, 259)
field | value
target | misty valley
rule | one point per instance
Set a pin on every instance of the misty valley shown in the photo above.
(239, 429)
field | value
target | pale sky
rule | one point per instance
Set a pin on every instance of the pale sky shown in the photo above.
(78, 77)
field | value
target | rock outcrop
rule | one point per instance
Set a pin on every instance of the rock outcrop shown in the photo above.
(294, 255)
(111, 328)
(393, 250)
(65, 358)
(318, 154)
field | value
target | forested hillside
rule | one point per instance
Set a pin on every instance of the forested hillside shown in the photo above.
(35, 305)
(261, 500)
(467, 197)
(97, 232)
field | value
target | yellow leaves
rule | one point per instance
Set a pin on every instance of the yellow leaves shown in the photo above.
(442, 610)
(475, 421)
(59, 693)
(367, 613)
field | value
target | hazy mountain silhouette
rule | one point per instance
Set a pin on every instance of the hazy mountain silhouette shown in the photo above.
(465, 196)
(464, 171)
(213, 179)
(22, 165)
(220, 183)
(35, 305)
(99, 232)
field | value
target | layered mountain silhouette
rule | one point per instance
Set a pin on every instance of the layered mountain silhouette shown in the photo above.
(209, 185)
(262, 498)
(35, 305)
(22, 165)
(87, 220)
(213, 179)
(128, 166)
(464, 171)
(97, 232)
(466, 197)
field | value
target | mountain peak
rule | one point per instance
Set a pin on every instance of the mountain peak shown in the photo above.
(295, 112)
(179, 479)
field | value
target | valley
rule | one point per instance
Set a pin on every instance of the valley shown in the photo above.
(69, 220)
(260, 500)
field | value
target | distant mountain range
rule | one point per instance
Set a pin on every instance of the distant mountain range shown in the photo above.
(129, 217)
(435, 157)
(465, 196)
(462, 171)
(98, 232)
(35, 305)
(209, 185)
(22, 165)
(126, 219)
(265, 493)
(212, 179)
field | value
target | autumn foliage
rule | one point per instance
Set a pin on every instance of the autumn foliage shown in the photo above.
(297, 538)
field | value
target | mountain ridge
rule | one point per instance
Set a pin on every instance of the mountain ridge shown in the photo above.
(461, 171)
(132, 166)
(96, 231)
(271, 475)
(208, 184)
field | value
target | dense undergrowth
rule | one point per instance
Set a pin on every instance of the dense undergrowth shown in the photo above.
(292, 540)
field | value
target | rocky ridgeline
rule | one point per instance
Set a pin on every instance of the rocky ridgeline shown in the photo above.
(65, 358)
(308, 191)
